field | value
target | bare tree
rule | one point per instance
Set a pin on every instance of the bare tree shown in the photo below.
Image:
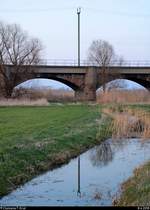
(116, 84)
(102, 155)
(102, 54)
(16, 49)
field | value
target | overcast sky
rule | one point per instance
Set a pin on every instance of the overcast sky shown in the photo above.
(123, 23)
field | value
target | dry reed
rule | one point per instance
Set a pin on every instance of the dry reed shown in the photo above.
(51, 95)
(129, 123)
(23, 102)
(123, 96)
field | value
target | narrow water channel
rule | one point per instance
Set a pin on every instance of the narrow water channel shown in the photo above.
(94, 178)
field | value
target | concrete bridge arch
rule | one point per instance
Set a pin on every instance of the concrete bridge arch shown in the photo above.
(85, 80)
(62, 81)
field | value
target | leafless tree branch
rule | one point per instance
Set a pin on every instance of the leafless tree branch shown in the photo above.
(16, 49)
(102, 54)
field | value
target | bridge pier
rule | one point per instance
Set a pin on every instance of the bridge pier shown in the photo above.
(88, 92)
(85, 95)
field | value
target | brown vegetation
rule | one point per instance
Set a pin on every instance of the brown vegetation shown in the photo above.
(51, 95)
(128, 123)
(65, 95)
(123, 96)
(23, 102)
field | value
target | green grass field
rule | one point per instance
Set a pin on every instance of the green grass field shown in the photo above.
(36, 139)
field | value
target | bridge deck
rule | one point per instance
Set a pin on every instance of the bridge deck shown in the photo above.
(83, 69)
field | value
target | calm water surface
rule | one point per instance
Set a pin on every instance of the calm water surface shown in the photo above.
(94, 178)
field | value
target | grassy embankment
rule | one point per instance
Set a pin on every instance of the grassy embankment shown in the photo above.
(136, 190)
(36, 139)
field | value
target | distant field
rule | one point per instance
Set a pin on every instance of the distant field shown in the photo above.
(35, 139)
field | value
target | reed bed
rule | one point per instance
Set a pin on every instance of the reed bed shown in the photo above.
(23, 102)
(124, 96)
(51, 95)
(129, 123)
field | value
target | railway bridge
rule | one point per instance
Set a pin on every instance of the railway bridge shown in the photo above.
(85, 80)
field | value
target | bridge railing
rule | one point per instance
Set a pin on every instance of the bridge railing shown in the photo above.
(71, 62)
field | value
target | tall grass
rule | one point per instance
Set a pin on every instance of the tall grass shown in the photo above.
(124, 96)
(65, 95)
(129, 123)
(37, 97)
(23, 102)
(51, 95)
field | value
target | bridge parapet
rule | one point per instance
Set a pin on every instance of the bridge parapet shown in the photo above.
(74, 62)
(83, 69)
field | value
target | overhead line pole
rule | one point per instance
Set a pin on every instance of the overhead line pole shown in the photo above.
(78, 13)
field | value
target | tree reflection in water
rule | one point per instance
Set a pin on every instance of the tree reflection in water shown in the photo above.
(102, 154)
